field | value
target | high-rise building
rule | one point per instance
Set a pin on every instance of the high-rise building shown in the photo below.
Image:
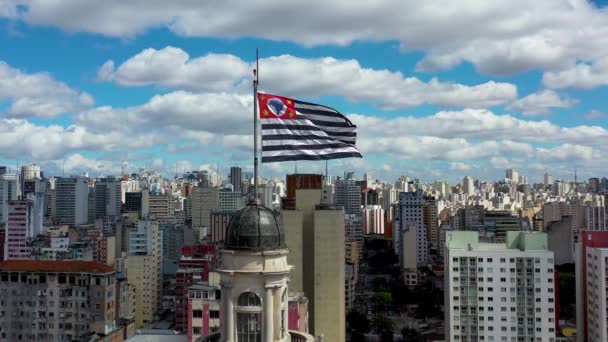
(30, 172)
(9, 191)
(157, 206)
(468, 186)
(431, 219)
(512, 176)
(594, 185)
(108, 195)
(315, 236)
(144, 270)
(499, 291)
(68, 300)
(302, 181)
(591, 262)
(133, 202)
(173, 239)
(203, 201)
(547, 180)
(71, 200)
(235, 178)
(230, 200)
(353, 230)
(413, 250)
(373, 219)
(104, 249)
(348, 195)
(19, 228)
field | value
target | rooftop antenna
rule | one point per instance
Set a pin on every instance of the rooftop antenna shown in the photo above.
(63, 170)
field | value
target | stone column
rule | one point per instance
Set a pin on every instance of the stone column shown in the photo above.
(228, 308)
(268, 319)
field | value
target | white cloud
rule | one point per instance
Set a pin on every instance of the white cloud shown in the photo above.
(25, 140)
(594, 114)
(459, 166)
(498, 37)
(540, 103)
(79, 164)
(172, 67)
(480, 125)
(289, 75)
(582, 75)
(38, 94)
(500, 162)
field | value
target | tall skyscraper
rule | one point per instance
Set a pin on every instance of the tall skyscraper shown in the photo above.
(9, 190)
(236, 178)
(548, 180)
(315, 236)
(499, 291)
(107, 197)
(203, 201)
(468, 186)
(591, 262)
(373, 219)
(431, 219)
(71, 200)
(347, 193)
(412, 241)
(144, 270)
(512, 175)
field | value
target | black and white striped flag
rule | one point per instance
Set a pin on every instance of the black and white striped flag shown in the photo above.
(296, 130)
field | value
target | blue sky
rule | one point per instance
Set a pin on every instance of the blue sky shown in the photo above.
(438, 90)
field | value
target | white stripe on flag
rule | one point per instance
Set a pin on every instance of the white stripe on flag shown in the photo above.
(309, 142)
(304, 151)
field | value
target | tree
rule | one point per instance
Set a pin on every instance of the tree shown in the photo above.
(357, 322)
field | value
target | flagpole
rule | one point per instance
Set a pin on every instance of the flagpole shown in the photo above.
(256, 75)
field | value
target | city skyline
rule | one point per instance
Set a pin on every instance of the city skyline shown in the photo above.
(171, 92)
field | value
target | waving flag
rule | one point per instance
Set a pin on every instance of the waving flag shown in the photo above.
(296, 130)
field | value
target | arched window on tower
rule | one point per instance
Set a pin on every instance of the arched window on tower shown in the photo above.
(249, 318)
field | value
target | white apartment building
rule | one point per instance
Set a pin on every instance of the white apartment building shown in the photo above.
(468, 186)
(591, 258)
(373, 219)
(499, 292)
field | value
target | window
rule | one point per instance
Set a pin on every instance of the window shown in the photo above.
(197, 313)
(214, 314)
(249, 322)
(196, 330)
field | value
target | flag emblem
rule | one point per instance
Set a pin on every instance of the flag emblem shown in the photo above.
(276, 106)
(297, 130)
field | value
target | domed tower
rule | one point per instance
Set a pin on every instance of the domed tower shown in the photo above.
(253, 277)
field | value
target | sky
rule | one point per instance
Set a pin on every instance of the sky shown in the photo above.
(438, 89)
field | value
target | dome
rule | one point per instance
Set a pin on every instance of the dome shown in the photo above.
(255, 227)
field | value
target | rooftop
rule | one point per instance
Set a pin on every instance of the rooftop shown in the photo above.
(55, 266)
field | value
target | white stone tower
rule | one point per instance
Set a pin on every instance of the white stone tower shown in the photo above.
(253, 276)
